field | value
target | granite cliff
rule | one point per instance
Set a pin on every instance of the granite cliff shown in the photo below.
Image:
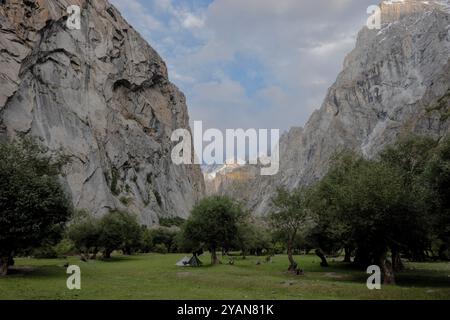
(102, 94)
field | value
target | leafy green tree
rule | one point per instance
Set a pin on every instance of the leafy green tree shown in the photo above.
(166, 236)
(214, 224)
(33, 206)
(376, 206)
(171, 222)
(84, 231)
(437, 177)
(119, 230)
(160, 248)
(146, 240)
(410, 157)
(381, 213)
(132, 237)
(331, 232)
(289, 216)
(253, 238)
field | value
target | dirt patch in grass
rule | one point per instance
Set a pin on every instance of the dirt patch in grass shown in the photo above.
(184, 274)
(334, 275)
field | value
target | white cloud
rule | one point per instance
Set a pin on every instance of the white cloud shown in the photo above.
(299, 47)
(301, 44)
(191, 21)
(142, 19)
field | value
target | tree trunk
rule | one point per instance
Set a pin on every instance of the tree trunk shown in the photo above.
(4, 263)
(322, 257)
(348, 254)
(107, 254)
(397, 264)
(386, 269)
(94, 254)
(444, 252)
(293, 266)
(363, 258)
(214, 258)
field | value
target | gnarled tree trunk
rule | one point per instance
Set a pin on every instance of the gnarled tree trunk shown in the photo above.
(444, 252)
(363, 258)
(107, 254)
(293, 266)
(214, 258)
(321, 255)
(397, 264)
(386, 268)
(348, 254)
(4, 264)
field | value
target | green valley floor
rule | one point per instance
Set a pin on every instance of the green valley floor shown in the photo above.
(155, 276)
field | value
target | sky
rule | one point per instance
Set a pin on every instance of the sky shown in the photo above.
(250, 63)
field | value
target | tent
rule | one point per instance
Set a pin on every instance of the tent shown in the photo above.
(183, 262)
(195, 261)
(189, 262)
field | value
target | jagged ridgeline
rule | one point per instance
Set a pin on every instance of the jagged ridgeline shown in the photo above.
(103, 95)
(395, 82)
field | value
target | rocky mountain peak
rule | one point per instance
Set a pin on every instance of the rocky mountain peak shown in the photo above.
(102, 94)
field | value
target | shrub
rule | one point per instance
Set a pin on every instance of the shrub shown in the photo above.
(160, 248)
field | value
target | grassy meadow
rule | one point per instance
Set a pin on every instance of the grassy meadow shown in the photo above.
(155, 276)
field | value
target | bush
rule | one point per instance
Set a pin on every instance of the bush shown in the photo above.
(166, 236)
(160, 248)
(172, 222)
(146, 240)
(45, 252)
(84, 232)
(279, 248)
(65, 248)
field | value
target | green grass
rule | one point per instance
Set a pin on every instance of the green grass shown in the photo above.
(155, 276)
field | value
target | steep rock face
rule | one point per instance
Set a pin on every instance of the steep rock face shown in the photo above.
(103, 95)
(395, 82)
(229, 180)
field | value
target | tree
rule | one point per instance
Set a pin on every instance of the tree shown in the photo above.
(289, 216)
(84, 231)
(377, 205)
(252, 238)
(437, 177)
(33, 205)
(214, 225)
(331, 232)
(119, 230)
(146, 240)
(165, 236)
(380, 212)
(132, 237)
(410, 157)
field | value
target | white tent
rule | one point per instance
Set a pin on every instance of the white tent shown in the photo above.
(183, 262)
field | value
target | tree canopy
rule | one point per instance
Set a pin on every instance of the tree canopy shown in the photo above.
(214, 224)
(33, 206)
(289, 216)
